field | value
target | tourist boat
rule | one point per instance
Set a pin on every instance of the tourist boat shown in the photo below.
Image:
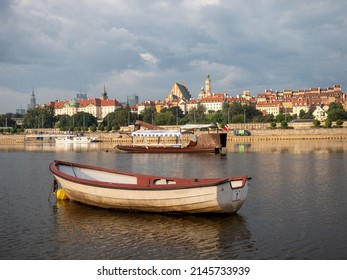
(73, 139)
(109, 188)
(170, 141)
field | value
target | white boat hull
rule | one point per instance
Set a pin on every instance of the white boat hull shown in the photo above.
(73, 140)
(151, 193)
(216, 199)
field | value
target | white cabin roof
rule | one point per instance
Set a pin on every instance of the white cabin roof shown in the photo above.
(157, 133)
(198, 126)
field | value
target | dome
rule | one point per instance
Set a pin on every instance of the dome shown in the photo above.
(74, 103)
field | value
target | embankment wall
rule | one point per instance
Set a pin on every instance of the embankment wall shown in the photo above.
(257, 135)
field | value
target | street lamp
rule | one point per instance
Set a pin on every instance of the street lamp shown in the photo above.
(228, 115)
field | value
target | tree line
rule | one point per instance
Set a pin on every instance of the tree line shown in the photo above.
(43, 117)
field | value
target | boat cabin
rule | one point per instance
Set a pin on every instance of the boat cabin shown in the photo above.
(157, 138)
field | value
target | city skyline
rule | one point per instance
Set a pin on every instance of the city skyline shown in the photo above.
(143, 47)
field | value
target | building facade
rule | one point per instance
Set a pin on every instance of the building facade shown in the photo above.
(178, 92)
(292, 102)
(98, 107)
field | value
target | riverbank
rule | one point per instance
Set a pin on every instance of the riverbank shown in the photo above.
(292, 134)
(257, 135)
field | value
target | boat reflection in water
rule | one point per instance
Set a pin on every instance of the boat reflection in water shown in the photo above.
(123, 235)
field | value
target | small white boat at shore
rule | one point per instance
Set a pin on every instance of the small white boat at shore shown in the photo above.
(108, 188)
(67, 139)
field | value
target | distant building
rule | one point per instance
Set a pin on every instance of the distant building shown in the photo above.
(32, 101)
(320, 114)
(98, 107)
(293, 102)
(81, 96)
(104, 95)
(20, 111)
(132, 100)
(269, 107)
(146, 105)
(207, 91)
(191, 104)
(178, 92)
(213, 102)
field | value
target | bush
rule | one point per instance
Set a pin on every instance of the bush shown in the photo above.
(101, 127)
(284, 125)
(339, 123)
(328, 123)
(316, 123)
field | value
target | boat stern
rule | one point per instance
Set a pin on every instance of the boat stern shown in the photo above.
(232, 194)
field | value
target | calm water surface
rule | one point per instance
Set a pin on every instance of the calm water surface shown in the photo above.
(296, 207)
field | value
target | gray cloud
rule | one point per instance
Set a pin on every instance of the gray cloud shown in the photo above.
(143, 47)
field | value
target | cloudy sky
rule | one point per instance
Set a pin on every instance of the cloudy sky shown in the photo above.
(60, 48)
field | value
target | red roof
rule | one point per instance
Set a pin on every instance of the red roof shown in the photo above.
(110, 102)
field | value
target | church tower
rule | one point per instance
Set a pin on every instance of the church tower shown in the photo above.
(208, 85)
(104, 94)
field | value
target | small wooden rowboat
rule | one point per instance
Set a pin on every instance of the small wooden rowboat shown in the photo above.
(139, 192)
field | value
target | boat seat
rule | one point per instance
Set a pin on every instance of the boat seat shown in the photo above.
(163, 182)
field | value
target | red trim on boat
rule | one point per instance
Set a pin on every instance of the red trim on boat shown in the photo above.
(143, 149)
(145, 182)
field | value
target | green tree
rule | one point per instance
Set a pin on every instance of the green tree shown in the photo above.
(84, 120)
(64, 122)
(120, 117)
(196, 115)
(339, 123)
(302, 114)
(328, 123)
(308, 115)
(176, 111)
(251, 113)
(148, 115)
(101, 127)
(216, 117)
(336, 112)
(6, 121)
(39, 117)
(237, 118)
(165, 118)
(279, 118)
(316, 123)
(284, 125)
(107, 128)
(273, 124)
(335, 105)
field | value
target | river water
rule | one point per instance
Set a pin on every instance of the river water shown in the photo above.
(296, 207)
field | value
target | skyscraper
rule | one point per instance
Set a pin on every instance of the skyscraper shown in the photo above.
(32, 101)
(132, 100)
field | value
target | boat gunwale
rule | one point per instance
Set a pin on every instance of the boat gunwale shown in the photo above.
(167, 149)
(187, 183)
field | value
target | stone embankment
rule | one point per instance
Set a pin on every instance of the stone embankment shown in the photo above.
(292, 134)
(257, 135)
(11, 139)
